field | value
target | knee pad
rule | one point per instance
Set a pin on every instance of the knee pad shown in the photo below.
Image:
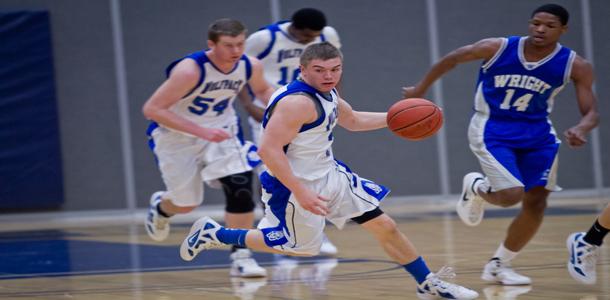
(238, 192)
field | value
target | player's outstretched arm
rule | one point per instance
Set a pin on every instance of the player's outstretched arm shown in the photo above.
(582, 76)
(360, 120)
(483, 49)
(181, 81)
(287, 118)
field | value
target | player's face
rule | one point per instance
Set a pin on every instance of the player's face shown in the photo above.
(228, 48)
(545, 29)
(323, 75)
(305, 36)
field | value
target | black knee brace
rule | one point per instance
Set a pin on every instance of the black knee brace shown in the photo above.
(367, 216)
(238, 192)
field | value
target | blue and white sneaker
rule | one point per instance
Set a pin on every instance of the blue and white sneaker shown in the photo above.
(583, 259)
(157, 226)
(201, 237)
(436, 288)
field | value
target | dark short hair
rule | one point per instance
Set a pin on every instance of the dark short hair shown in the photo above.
(556, 10)
(309, 18)
(323, 51)
(222, 27)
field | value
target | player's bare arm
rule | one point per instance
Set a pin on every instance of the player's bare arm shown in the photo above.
(261, 89)
(482, 50)
(582, 76)
(359, 120)
(181, 81)
(288, 117)
(247, 102)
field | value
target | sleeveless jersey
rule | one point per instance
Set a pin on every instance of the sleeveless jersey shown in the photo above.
(280, 54)
(517, 96)
(309, 153)
(210, 102)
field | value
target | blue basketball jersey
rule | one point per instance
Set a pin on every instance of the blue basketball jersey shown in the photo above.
(515, 96)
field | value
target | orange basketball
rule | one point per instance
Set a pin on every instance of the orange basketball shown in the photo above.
(414, 118)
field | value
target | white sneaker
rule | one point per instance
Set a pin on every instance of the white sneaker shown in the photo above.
(500, 292)
(583, 259)
(243, 265)
(327, 247)
(436, 288)
(470, 207)
(502, 272)
(202, 236)
(157, 226)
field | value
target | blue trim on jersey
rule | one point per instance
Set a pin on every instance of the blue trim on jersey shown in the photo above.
(240, 132)
(151, 142)
(273, 28)
(294, 87)
(322, 37)
(200, 58)
(277, 204)
(248, 66)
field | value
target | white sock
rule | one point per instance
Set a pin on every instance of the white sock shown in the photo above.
(482, 186)
(504, 254)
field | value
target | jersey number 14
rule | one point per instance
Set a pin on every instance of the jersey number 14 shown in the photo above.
(520, 103)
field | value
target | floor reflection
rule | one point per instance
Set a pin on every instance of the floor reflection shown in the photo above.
(504, 292)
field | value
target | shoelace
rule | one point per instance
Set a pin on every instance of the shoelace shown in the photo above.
(589, 256)
(444, 273)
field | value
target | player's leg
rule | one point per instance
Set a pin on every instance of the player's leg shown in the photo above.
(538, 170)
(583, 248)
(401, 250)
(239, 213)
(180, 173)
(501, 185)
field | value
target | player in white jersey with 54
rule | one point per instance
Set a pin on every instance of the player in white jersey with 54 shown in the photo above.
(279, 46)
(305, 186)
(195, 135)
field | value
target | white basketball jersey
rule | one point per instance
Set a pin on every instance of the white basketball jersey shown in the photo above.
(309, 153)
(280, 53)
(210, 103)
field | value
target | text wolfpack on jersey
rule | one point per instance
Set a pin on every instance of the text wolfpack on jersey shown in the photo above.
(288, 53)
(223, 85)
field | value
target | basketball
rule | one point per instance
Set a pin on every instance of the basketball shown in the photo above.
(414, 118)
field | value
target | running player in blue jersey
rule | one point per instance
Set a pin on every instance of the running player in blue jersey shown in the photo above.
(196, 137)
(279, 46)
(510, 132)
(304, 185)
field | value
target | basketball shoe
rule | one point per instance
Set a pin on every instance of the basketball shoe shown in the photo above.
(502, 272)
(202, 236)
(157, 226)
(583, 258)
(436, 288)
(243, 265)
(327, 247)
(470, 208)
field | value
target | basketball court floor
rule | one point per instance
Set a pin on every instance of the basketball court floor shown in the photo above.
(111, 257)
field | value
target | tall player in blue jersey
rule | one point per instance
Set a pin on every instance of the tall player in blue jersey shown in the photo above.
(510, 132)
(279, 46)
(196, 137)
(304, 185)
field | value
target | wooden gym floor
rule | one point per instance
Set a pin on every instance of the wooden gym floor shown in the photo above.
(114, 261)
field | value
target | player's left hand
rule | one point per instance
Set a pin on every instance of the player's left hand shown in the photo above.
(575, 136)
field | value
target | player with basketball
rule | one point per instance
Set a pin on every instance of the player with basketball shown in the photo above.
(304, 185)
(510, 132)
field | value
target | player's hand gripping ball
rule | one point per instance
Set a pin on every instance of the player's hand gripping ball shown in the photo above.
(414, 118)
